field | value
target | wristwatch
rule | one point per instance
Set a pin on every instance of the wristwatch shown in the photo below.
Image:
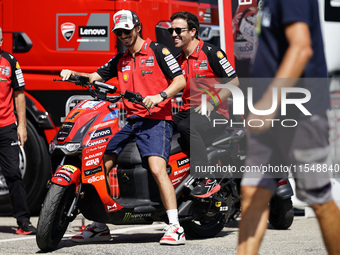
(163, 95)
(212, 102)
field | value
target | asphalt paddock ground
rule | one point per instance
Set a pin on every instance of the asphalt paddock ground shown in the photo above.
(303, 237)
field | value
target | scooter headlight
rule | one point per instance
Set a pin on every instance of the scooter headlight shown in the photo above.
(72, 147)
(68, 148)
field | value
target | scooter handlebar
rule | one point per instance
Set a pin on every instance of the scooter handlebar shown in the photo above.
(135, 98)
(77, 79)
(102, 89)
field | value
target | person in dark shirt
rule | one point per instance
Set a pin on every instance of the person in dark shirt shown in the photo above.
(290, 54)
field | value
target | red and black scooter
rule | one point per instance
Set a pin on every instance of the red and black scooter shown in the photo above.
(79, 182)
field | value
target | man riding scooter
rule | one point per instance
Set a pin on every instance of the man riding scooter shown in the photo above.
(202, 63)
(155, 87)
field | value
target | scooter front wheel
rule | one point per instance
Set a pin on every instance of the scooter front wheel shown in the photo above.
(53, 220)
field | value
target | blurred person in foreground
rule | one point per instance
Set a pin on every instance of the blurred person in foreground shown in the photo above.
(290, 47)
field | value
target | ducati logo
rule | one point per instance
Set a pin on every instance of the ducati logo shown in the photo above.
(67, 29)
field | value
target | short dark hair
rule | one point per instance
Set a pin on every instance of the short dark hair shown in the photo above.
(191, 19)
(138, 24)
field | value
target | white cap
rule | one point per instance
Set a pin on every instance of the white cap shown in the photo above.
(125, 19)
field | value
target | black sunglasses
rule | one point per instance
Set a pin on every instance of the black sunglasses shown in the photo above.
(119, 32)
(178, 30)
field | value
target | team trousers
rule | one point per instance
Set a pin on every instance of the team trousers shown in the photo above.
(9, 164)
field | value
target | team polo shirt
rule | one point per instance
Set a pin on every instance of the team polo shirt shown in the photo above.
(11, 79)
(149, 73)
(205, 67)
(275, 15)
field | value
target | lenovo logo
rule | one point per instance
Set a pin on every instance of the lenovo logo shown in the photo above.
(93, 31)
(100, 133)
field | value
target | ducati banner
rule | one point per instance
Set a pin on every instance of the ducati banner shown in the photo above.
(83, 32)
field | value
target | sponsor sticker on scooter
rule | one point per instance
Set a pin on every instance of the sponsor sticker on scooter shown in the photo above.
(92, 171)
(111, 115)
(181, 171)
(183, 161)
(64, 176)
(69, 168)
(100, 133)
(96, 179)
(96, 142)
(136, 217)
(93, 155)
(92, 162)
(112, 208)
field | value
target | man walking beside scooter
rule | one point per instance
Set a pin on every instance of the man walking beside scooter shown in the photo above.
(203, 65)
(145, 67)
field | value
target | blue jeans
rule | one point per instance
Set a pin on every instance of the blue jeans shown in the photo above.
(153, 137)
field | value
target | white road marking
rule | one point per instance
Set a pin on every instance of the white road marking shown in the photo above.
(112, 232)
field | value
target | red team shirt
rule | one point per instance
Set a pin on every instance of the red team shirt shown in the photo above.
(204, 68)
(11, 79)
(149, 73)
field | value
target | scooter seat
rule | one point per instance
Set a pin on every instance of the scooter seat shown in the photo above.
(130, 155)
(175, 146)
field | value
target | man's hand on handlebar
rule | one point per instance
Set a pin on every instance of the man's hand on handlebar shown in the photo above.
(65, 74)
(152, 101)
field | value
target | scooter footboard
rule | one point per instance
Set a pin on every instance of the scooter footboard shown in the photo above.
(66, 175)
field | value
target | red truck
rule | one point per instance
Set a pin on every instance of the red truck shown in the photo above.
(47, 36)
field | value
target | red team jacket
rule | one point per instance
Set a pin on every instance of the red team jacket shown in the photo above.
(11, 78)
(206, 66)
(149, 73)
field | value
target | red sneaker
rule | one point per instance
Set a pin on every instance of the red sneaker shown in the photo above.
(26, 228)
(174, 235)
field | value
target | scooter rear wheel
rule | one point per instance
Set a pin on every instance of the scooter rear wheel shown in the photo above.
(199, 229)
(53, 221)
(208, 224)
(281, 213)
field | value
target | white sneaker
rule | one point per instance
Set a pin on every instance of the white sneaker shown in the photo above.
(174, 234)
(92, 234)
